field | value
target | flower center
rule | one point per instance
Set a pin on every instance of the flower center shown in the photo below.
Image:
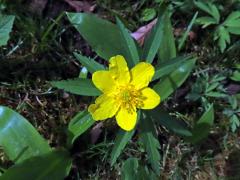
(129, 97)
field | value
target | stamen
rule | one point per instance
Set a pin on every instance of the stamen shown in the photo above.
(129, 97)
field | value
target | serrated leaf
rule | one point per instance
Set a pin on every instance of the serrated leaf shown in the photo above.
(130, 169)
(168, 84)
(146, 174)
(201, 129)
(150, 142)
(235, 76)
(18, 138)
(132, 56)
(235, 123)
(212, 87)
(6, 23)
(215, 12)
(78, 125)
(155, 38)
(78, 86)
(123, 137)
(223, 38)
(167, 67)
(233, 20)
(89, 63)
(148, 14)
(54, 165)
(103, 36)
(206, 21)
(233, 30)
(209, 8)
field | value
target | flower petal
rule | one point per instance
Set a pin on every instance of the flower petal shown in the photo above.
(103, 81)
(119, 69)
(150, 98)
(141, 75)
(104, 107)
(125, 119)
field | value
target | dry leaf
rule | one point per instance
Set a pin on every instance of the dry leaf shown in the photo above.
(95, 132)
(79, 6)
(142, 32)
(37, 6)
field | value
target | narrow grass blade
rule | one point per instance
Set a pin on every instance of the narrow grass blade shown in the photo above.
(185, 35)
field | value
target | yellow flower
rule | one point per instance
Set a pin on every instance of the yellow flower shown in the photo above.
(123, 92)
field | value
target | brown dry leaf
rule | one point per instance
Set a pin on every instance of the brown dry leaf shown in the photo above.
(79, 6)
(142, 32)
(37, 6)
(95, 132)
(233, 88)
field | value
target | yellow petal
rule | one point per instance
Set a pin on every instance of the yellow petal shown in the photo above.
(103, 80)
(125, 119)
(119, 69)
(141, 75)
(104, 107)
(150, 98)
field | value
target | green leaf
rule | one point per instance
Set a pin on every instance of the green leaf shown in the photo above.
(185, 35)
(78, 86)
(168, 84)
(145, 174)
(234, 30)
(18, 138)
(123, 137)
(235, 123)
(132, 56)
(209, 8)
(103, 36)
(166, 68)
(78, 125)
(163, 118)
(167, 49)
(212, 86)
(130, 169)
(150, 142)
(216, 94)
(235, 76)
(233, 20)
(54, 165)
(6, 23)
(148, 14)
(215, 12)
(155, 38)
(223, 37)
(83, 73)
(201, 129)
(206, 21)
(90, 64)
